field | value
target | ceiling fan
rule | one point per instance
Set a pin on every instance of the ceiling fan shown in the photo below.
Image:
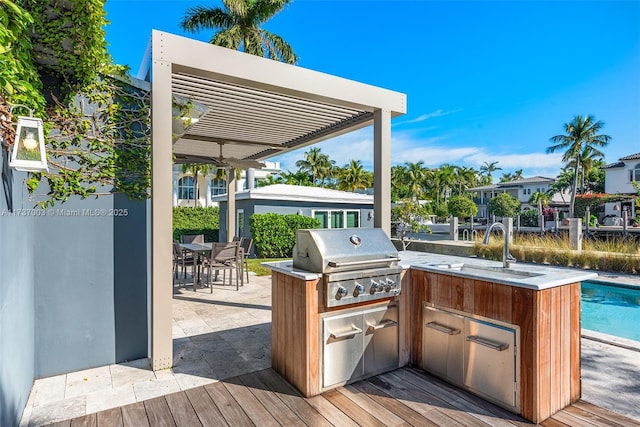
(232, 162)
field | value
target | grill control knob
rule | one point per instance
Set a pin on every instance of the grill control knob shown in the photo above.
(375, 286)
(358, 289)
(342, 292)
(391, 284)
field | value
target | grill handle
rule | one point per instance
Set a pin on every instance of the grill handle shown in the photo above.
(335, 264)
(345, 334)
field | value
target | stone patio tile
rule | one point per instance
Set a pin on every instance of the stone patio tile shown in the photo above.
(107, 399)
(155, 388)
(58, 411)
(81, 383)
(47, 390)
(130, 373)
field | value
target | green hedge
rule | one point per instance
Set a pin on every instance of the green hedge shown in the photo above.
(188, 220)
(274, 235)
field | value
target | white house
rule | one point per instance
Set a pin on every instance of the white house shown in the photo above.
(618, 179)
(209, 186)
(522, 189)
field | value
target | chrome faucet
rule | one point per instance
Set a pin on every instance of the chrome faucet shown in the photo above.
(506, 256)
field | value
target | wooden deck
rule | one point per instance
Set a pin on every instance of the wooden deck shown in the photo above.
(403, 397)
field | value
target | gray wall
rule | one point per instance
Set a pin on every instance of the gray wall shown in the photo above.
(17, 315)
(73, 289)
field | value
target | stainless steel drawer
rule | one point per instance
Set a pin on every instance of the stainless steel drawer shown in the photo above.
(342, 348)
(490, 364)
(443, 343)
(380, 339)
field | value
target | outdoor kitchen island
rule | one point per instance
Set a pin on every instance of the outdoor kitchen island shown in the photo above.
(510, 335)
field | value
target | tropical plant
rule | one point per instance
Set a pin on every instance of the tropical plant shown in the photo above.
(540, 199)
(353, 177)
(461, 207)
(407, 218)
(504, 205)
(580, 133)
(317, 165)
(486, 171)
(511, 176)
(238, 26)
(415, 175)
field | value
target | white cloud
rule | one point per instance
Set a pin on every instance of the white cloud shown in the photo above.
(438, 113)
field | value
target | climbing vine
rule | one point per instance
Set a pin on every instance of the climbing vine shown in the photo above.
(96, 119)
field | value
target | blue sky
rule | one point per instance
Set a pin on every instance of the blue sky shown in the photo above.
(485, 80)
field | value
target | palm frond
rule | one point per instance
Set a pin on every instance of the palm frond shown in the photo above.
(199, 17)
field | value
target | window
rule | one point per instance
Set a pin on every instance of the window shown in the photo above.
(634, 174)
(322, 216)
(186, 188)
(218, 186)
(353, 219)
(338, 219)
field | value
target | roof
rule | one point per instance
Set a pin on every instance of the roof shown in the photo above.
(515, 183)
(255, 108)
(299, 193)
(620, 163)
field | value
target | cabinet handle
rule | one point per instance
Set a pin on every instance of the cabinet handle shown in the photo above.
(350, 333)
(381, 325)
(487, 343)
(442, 328)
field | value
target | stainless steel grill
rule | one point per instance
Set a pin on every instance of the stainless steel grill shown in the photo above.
(358, 265)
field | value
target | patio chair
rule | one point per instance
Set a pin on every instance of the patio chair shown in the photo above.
(181, 260)
(245, 244)
(226, 256)
(192, 238)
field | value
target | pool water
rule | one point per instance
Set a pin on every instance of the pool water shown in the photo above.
(611, 310)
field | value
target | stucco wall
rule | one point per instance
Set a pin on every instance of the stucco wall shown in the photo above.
(73, 289)
(17, 314)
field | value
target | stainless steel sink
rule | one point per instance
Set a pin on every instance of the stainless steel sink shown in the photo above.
(488, 271)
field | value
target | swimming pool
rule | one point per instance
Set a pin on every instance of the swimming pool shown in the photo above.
(611, 309)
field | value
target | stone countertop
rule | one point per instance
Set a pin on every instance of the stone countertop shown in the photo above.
(532, 276)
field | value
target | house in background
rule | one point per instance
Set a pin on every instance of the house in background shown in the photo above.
(521, 189)
(210, 185)
(333, 208)
(618, 179)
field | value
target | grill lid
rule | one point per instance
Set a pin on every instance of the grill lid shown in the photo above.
(332, 250)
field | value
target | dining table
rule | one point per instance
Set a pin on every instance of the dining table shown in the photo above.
(198, 250)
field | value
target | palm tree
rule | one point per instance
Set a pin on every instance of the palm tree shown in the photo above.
(541, 199)
(238, 24)
(317, 165)
(353, 177)
(580, 133)
(444, 179)
(487, 169)
(415, 175)
(588, 161)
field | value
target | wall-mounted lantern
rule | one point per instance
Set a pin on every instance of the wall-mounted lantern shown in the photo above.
(28, 150)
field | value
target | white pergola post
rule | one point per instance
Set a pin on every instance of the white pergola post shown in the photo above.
(161, 217)
(382, 170)
(231, 204)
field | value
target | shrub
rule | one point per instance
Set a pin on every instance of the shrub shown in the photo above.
(199, 220)
(462, 207)
(529, 218)
(274, 235)
(504, 205)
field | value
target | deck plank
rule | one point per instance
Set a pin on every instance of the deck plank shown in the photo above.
(206, 410)
(134, 415)
(228, 406)
(281, 412)
(158, 412)
(401, 410)
(110, 418)
(292, 398)
(182, 410)
(85, 421)
(334, 415)
(250, 404)
(351, 409)
(606, 414)
(589, 417)
(367, 403)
